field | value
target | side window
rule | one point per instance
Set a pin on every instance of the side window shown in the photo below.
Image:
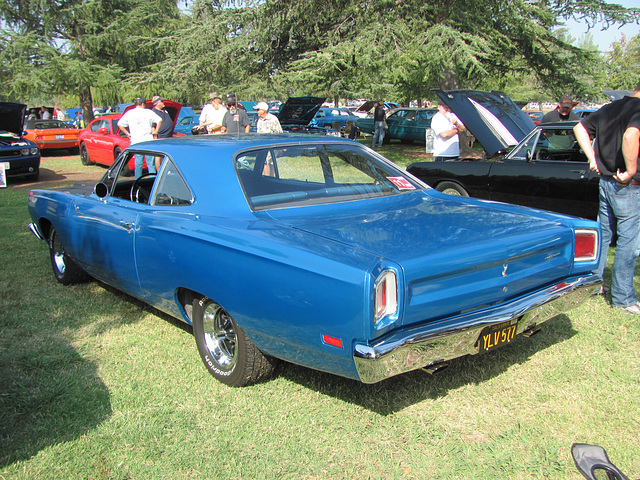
(96, 126)
(171, 188)
(529, 148)
(134, 182)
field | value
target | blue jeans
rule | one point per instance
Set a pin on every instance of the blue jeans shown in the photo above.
(151, 166)
(378, 134)
(619, 214)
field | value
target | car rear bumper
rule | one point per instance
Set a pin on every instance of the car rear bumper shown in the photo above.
(449, 338)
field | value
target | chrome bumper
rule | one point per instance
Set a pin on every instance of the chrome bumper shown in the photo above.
(36, 231)
(454, 337)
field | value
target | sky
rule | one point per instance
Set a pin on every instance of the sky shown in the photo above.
(604, 39)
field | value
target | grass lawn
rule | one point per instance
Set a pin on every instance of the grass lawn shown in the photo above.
(95, 385)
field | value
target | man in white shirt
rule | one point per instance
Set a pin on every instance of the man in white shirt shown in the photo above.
(446, 127)
(140, 124)
(212, 114)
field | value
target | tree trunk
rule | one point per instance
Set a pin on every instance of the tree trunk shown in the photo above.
(86, 104)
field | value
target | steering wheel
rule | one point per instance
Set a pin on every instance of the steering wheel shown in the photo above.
(138, 193)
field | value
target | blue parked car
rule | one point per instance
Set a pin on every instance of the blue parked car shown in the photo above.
(187, 119)
(315, 250)
(325, 117)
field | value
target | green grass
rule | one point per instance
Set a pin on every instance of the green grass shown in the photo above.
(95, 385)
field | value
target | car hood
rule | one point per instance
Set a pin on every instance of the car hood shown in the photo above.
(492, 117)
(299, 110)
(172, 108)
(617, 94)
(12, 117)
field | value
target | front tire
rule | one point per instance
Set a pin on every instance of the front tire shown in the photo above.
(451, 188)
(65, 269)
(226, 351)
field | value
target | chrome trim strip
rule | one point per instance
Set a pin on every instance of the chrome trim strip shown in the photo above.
(454, 337)
(36, 231)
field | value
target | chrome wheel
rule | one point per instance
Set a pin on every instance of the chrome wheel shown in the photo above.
(220, 336)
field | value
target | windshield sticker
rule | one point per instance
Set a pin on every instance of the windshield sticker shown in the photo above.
(402, 183)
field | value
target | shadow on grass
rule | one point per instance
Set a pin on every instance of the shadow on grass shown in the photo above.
(49, 394)
(399, 392)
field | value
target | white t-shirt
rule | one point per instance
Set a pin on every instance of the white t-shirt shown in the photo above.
(444, 147)
(210, 114)
(140, 122)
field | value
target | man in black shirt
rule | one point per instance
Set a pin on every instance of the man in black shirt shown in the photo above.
(379, 120)
(235, 120)
(562, 113)
(614, 155)
(166, 127)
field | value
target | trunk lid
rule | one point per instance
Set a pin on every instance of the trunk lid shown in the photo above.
(457, 255)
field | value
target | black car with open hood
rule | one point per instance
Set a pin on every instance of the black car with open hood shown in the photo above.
(18, 156)
(541, 167)
(296, 114)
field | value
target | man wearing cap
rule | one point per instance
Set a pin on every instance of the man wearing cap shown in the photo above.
(140, 124)
(562, 113)
(267, 122)
(165, 129)
(212, 114)
(610, 138)
(235, 119)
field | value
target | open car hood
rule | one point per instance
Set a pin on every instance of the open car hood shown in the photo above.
(299, 110)
(492, 117)
(12, 117)
(617, 94)
(172, 108)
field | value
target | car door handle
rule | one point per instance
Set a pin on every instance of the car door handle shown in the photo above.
(581, 172)
(127, 225)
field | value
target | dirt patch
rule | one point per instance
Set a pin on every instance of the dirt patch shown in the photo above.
(59, 169)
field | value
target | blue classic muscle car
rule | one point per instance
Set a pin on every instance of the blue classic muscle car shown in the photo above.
(318, 251)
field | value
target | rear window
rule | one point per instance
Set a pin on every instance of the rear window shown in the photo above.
(316, 174)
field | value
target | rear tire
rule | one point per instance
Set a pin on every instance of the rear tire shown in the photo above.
(84, 155)
(451, 188)
(65, 269)
(116, 153)
(226, 351)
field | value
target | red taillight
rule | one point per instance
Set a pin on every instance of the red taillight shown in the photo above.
(335, 342)
(586, 246)
(386, 295)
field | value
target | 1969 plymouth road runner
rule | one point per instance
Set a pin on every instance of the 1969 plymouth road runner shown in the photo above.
(318, 251)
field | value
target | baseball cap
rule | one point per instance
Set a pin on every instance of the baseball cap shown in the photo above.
(566, 101)
(261, 106)
(139, 101)
(156, 99)
(231, 99)
(213, 95)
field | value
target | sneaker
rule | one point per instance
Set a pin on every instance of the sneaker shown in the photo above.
(633, 309)
(603, 291)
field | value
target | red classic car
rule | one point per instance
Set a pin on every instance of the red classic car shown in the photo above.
(101, 141)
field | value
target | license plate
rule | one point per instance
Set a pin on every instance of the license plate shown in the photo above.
(59, 137)
(497, 335)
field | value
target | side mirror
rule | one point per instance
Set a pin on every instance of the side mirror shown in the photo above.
(101, 190)
(103, 130)
(594, 464)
